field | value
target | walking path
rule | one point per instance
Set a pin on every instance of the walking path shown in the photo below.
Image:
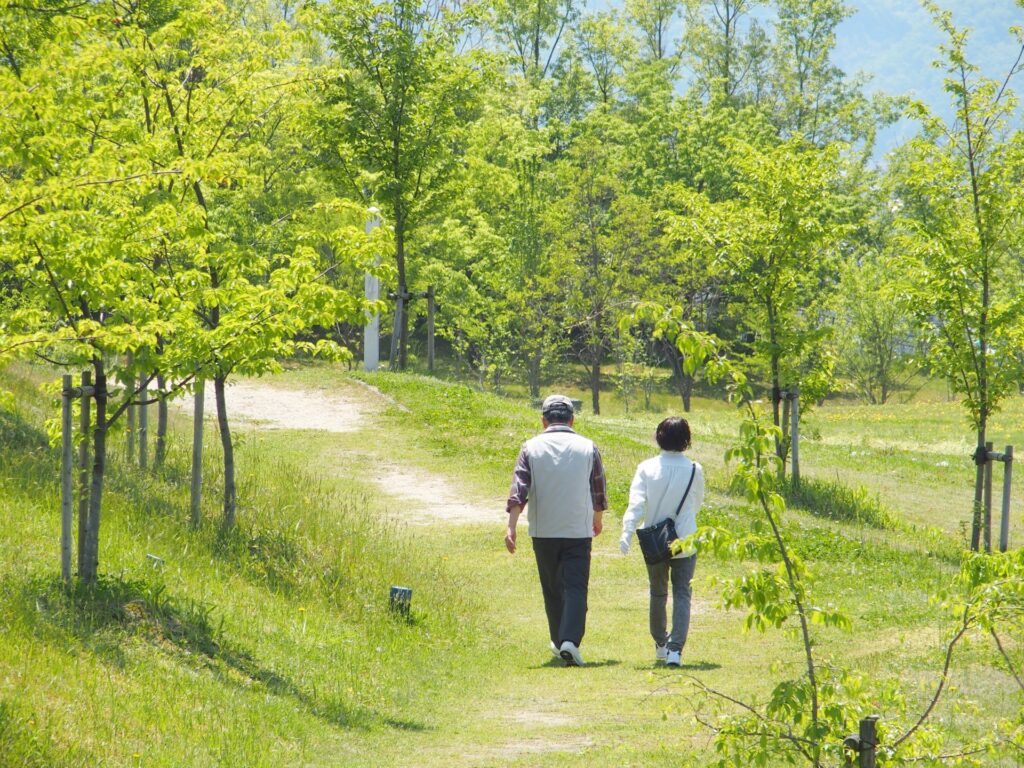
(431, 497)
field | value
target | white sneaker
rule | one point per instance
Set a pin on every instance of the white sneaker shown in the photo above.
(674, 659)
(660, 652)
(554, 649)
(571, 654)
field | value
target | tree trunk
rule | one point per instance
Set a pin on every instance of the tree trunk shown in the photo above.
(533, 373)
(780, 448)
(684, 382)
(90, 565)
(161, 423)
(229, 452)
(979, 482)
(403, 332)
(686, 390)
(786, 439)
(595, 378)
(777, 417)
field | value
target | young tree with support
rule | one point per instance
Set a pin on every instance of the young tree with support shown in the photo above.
(958, 187)
(80, 235)
(227, 101)
(396, 98)
(775, 247)
(822, 712)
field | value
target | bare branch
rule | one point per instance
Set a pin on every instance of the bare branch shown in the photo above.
(943, 679)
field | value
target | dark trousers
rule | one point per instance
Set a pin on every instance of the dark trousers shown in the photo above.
(564, 569)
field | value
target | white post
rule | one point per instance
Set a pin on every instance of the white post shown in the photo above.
(83, 468)
(794, 435)
(371, 331)
(143, 423)
(195, 510)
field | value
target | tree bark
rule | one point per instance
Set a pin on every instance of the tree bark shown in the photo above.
(533, 373)
(684, 382)
(229, 452)
(595, 378)
(90, 561)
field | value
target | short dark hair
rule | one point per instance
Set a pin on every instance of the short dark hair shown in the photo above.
(673, 434)
(558, 415)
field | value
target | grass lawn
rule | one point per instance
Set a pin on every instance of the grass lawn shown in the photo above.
(273, 646)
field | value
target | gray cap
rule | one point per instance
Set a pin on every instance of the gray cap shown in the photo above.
(557, 403)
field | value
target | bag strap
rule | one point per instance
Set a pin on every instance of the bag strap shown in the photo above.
(693, 473)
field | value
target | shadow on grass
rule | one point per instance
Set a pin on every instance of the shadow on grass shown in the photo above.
(18, 435)
(693, 666)
(836, 501)
(25, 453)
(104, 616)
(554, 663)
(701, 666)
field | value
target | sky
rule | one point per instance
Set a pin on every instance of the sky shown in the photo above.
(895, 41)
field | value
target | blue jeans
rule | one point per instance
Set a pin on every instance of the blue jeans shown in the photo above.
(681, 570)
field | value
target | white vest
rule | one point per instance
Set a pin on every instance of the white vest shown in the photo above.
(560, 505)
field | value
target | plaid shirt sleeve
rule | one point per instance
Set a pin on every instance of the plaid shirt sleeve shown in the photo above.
(521, 480)
(598, 492)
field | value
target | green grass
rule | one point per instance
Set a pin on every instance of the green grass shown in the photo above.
(273, 645)
(251, 648)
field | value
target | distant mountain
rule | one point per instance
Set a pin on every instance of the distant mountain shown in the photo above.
(895, 41)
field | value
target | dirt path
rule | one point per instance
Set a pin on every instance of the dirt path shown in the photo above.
(350, 409)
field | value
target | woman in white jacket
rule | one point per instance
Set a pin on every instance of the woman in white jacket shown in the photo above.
(658, 487)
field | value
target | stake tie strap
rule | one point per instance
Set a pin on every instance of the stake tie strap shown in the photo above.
(980, 455)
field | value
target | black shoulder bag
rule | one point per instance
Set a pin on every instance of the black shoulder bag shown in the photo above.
(656, 541)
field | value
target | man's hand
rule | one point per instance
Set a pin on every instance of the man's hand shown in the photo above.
(624, 545)
(510, 534)
(598, 521)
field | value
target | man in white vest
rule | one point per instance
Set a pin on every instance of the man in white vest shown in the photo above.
(559, 478)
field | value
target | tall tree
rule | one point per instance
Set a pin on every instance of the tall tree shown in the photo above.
(509, 185)
(607, 50)
(150, 214)
(77, 219)
(810, 95)
(654, 20)
(874, 328)
(726, 49)
(602, 230)
(776, 246)
(533, 32)
(396, 105)
(959, 184)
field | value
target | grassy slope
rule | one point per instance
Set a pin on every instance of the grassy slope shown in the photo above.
(265, 648)
(272, 648)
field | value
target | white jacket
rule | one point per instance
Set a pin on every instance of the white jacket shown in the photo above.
(655, 493)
